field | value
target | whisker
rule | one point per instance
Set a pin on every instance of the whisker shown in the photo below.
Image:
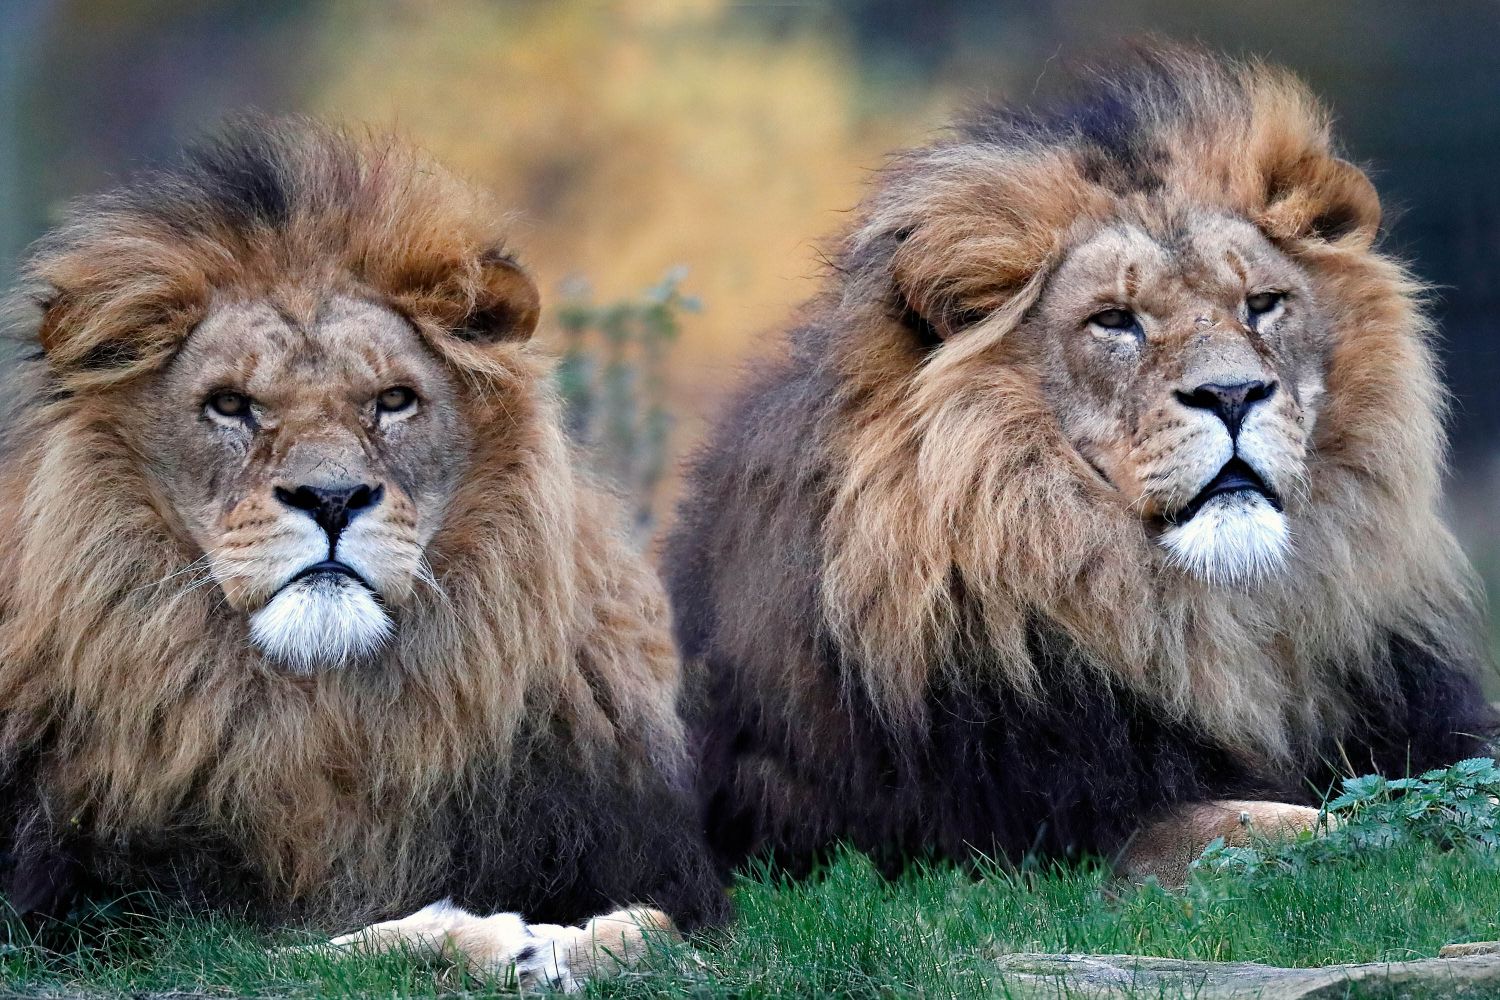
(200, 563)
(425, 575)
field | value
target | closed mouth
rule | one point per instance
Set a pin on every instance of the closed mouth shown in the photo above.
(1235, 477)
(330, 567)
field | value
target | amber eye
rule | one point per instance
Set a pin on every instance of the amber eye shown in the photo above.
(1263, 302)
(1114, 319)
(396, 399)
(231, 405)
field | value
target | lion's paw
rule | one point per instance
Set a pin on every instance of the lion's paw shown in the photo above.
(536, 955)
(606, 945)
(1166, 847)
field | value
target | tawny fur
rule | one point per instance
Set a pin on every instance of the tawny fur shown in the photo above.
(1166, 848)
(922, 619)
(955, 465)
(539, 645)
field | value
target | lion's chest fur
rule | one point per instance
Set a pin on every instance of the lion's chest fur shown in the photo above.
(301, 786)
(918, 630)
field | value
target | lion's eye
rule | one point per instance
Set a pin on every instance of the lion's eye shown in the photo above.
(1263, 302)
(1114, 319)
(396, 399)
(230, 405)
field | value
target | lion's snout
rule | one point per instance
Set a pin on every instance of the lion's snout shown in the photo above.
(318, 566)
(331, 507)
(1231, 402)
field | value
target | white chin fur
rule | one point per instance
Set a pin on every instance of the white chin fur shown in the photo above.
(320, 622)
(1234, 537)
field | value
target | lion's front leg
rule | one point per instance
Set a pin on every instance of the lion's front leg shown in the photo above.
(1167, 844)
(537, 954)
(600, 948)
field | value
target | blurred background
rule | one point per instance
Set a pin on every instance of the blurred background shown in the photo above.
(674, 166)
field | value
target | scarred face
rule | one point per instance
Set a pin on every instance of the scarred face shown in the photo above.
(1185, 366)
(311, 460)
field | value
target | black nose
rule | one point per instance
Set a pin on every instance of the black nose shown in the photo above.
(333, 508)
(1231, 402)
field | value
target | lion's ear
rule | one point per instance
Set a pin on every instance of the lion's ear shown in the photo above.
(57, 333)
(939, 294)
(930, 318)
(1320, 197)
(49, 309)
(507, 304)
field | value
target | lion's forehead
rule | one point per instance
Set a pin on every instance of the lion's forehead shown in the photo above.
(1170, 264)
(270, 350)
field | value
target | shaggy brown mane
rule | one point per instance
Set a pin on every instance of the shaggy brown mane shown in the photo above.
(518, 745)
(992, 654)
(953, 465)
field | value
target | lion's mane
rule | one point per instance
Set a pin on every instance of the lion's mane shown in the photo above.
(519, 745)
(915, 624)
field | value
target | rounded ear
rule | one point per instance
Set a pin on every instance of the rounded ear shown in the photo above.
(938, 294)
(1320, 197)
(49, 305)
(507, 304)
(65, 350)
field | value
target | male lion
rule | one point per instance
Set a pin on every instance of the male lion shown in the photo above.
(304, 614)
(1098, 487)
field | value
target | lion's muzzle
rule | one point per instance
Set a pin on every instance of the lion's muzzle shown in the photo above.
(328, 613)
(1234, 527)
(321, 620)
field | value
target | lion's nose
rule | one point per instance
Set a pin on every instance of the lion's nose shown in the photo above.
(333, 508)
(1230, 402)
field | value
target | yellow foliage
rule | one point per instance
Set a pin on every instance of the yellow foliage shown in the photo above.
(631, 137)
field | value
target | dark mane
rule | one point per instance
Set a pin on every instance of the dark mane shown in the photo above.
(927, 647)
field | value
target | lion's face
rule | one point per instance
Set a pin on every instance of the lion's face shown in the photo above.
(311, 462)
(1185, 366)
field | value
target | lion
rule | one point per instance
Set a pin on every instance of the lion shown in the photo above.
(306, 613)
(1092, 509)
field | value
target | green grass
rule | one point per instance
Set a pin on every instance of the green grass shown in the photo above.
(933, 932)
